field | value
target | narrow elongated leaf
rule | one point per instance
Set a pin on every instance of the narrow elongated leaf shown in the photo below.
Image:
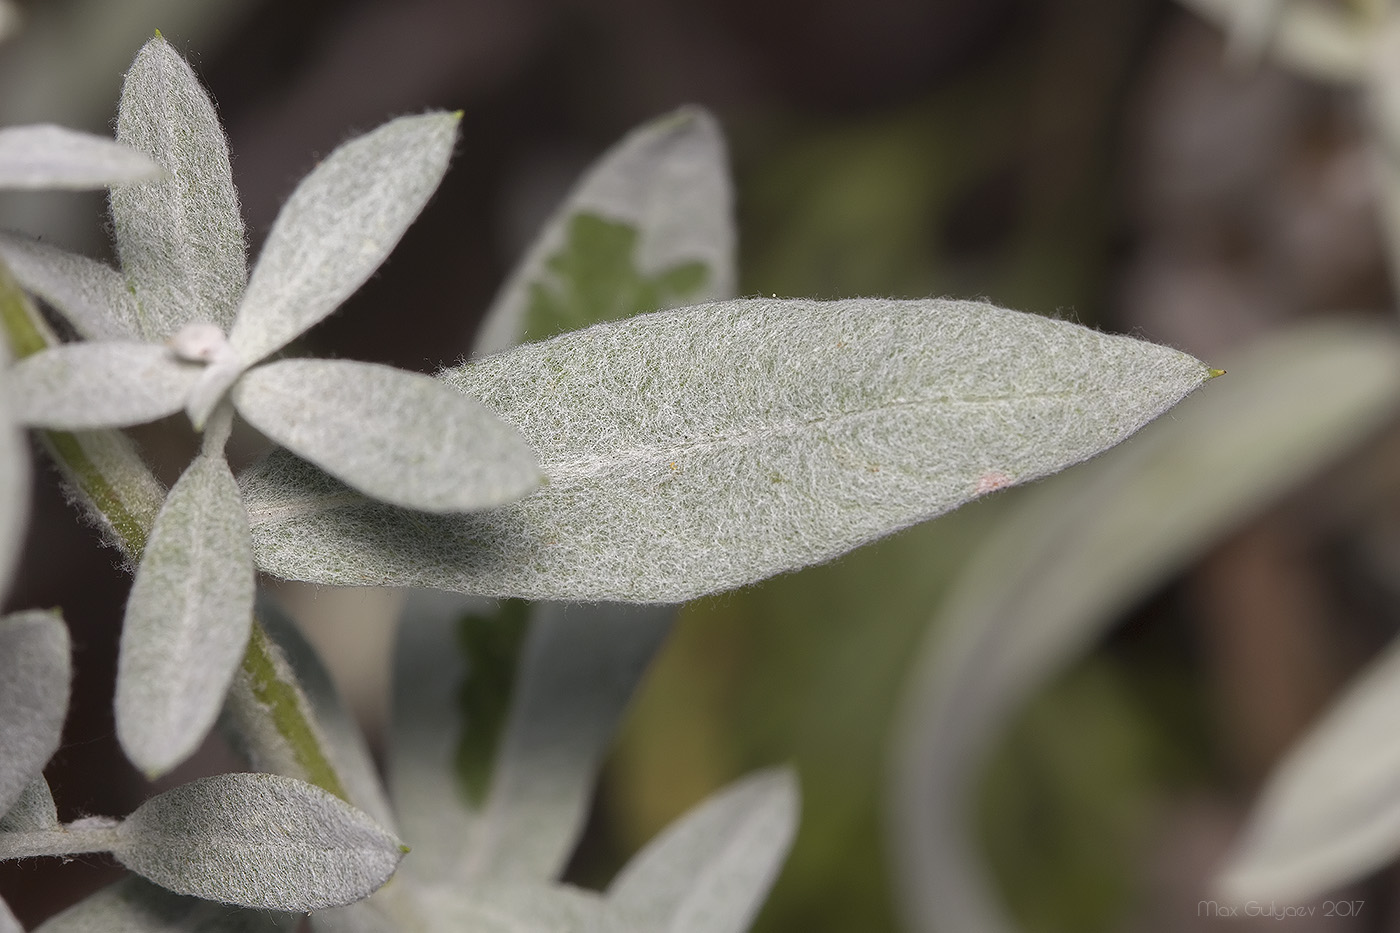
(258, 840)
(1331, 812)
(33, 811)
(187, 619)
(91, 296)
(698, 450)
(14, 480)
(180, 239)
(710, 871)
(340, 223)
(650, 226)
(401, 437)
(510, 807)
(104, 384)
(47, 156)
(1083, 546)
(34, 677)
(134, 905)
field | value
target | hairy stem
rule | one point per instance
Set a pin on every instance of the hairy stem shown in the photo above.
(73, 839)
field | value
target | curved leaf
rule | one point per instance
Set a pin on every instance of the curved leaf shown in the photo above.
(710, 871)
(401, 437)
(650, 226)
(33, 811)
(1083, 546)
(258, 840)
(501, 722)
(103, 384)
(90, 295)
(35, 672)
(187, 619)
(180, 239)
(703, 449)
(134, 905)
(339, 224)
(47, 156)
(14, 481)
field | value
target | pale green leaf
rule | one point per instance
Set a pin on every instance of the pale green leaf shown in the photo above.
(1326, 41)
(698, 450)
(650, 226)
(339, 224)
(134, 905)
(107, 383)
(1330, 813)
(258, 840)
(710, 871)
(187, 619)
(47, 156)
(554, 682)
(1082, 547)
(180, 239)
(14, 482)
(401, 437)
(33, 811)
(91, 296)
(35, 672)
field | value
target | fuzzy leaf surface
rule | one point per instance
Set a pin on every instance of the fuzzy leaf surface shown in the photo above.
(258, 840)
(14, 481)
(90, 295)
(339, 224)
(47, 156)
(710, 871)
(134, 905)
(35, 672)
(1330, 812)
(649, 226)
(512, 810)
(33, 811)
(180, 239)
(401, 437)
(698, 450)
(187, 619)
(102, 384)
(1084, 546)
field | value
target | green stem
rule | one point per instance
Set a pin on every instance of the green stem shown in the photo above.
(125, 498)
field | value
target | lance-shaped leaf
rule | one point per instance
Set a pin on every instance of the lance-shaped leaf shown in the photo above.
(401, 437)
(14, 476)
(187, 618)
(1082, 547)
(46, 156)
(102, 384)
(501, 722)
(710, 870)
(258, 840)
(134, 905)
(34, 811)
(650, 226)
(1331, 811)
(90, 295)
(338, 226)
(698, 450)
(180, 239)
(34, 678)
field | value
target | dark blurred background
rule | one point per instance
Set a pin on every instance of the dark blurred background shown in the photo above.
(1090, 159)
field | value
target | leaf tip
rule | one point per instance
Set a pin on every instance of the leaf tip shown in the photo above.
(1212, 373)
(158, 35)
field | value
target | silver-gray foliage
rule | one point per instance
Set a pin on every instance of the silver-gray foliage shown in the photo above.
(34, 678)
(46, 156)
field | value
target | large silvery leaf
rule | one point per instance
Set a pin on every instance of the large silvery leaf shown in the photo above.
(34, 679)
(650, 226)
(90, 295)
(134, 905)
(14, 479)
(1082, 547)
(710, 871)
(338, 226)
(400, 437)
(101, 384)
(46, 156)
(501, 721)
(180, 239)
(187, 619)
(698, 450)
(258, 840)
(1331, 812)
